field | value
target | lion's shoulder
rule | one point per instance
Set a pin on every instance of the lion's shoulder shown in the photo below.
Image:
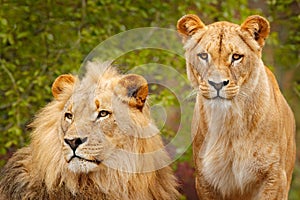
(16, 179)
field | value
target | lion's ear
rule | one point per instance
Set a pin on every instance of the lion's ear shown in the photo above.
(189, 24)
(132, 89)
(258, 27)
(61, 83)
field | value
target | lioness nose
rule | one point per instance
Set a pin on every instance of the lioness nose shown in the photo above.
(219, 85)
(75, 142)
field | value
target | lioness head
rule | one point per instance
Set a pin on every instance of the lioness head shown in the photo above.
(221, 56)
(100, 114)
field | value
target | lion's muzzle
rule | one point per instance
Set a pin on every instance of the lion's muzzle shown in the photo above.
(74, 143)
(219, 85)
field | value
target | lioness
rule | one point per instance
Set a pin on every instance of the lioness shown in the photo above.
(95, 140)
(244, 130)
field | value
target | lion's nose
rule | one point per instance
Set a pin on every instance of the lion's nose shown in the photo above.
(75, 142)
(218, 86)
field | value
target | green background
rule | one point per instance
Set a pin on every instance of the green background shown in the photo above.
(41, 39)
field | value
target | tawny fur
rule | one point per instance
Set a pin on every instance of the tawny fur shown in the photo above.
(45, 170)
(244, 135)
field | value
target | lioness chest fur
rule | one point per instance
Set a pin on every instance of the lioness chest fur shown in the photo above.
(243, 129)
(92, 142)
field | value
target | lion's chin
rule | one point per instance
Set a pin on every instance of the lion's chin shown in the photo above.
(78, 165)
(217, 98)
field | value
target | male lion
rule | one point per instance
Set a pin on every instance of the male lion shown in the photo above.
(244, 142)
(95, 140)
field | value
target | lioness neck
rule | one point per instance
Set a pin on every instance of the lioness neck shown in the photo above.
(242, 114)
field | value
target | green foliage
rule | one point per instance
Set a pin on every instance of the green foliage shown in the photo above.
(40, 40)
(280, 12)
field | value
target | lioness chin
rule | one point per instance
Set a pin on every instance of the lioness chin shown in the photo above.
(243, 128)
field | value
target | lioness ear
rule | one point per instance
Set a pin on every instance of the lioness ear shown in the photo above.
(61, 83)
(258, 27)
(189, 24)
(132, 89)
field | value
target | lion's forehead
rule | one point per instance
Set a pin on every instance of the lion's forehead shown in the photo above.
(223, 26)
(220, 39)
(90, 101)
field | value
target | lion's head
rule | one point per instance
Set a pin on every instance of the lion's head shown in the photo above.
(95, 114)
(222, 56)
(98, 130)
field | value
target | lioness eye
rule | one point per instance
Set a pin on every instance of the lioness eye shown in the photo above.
(68, 116)
(203, 56)
(236, 57)
(103, 113)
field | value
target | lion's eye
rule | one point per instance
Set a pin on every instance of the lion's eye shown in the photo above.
(236, 57)
(68, 116)
(102, 114)
(203, 56)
